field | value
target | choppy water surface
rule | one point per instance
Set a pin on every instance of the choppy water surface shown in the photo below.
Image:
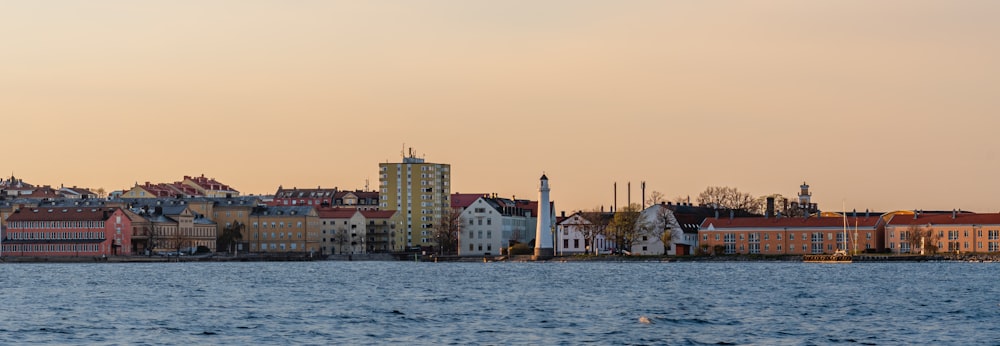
(500, 303)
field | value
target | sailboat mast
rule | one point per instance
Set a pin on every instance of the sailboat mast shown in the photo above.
(844, 235)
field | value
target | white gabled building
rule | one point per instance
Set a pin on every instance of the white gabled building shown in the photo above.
(571, 238)
(653, 223)
(490, 223)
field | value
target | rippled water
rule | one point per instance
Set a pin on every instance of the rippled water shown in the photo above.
(500, 303)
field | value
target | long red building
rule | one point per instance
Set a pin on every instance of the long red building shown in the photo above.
(67, 232)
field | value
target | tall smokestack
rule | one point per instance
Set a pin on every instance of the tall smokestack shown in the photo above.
(644, 195)
(628, 194)
(614, 206)
(770, 207)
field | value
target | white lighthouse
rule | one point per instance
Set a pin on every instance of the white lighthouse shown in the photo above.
(543, 233)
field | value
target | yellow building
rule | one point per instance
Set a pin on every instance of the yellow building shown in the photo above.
(420, 193)
(283, 229)
(167, 228)
(228, 211)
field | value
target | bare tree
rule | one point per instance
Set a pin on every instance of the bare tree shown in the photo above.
(446, 232)
(231, 235)
(595, 224)
(725, 197)
(340, 238)
(656, 197)
(658, 226)
(178, 239)
(919, 236)
(624, 227)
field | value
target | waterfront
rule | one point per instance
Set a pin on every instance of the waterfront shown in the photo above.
(499, 303)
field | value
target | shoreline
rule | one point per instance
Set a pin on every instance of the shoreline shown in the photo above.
(865, 258)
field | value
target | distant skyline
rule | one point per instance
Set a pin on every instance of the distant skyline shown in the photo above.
(877, 105)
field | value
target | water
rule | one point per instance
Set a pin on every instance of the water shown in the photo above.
(500, 303)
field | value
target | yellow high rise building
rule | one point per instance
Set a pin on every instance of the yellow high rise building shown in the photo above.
(420, 192)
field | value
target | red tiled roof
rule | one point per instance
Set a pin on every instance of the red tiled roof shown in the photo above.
(42, 192)
(464, 200)
(184, 189)
(61, 214)
(336, 213)
(158, 190)
(945, 219)
(209, 183)
(378, 214)
(796, 222)
(530, 205)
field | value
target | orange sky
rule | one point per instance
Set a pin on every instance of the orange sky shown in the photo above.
(882, 105)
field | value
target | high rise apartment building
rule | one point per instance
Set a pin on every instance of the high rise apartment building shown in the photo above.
(420, 193)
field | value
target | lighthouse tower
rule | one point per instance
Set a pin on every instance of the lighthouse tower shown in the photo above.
(543, 233)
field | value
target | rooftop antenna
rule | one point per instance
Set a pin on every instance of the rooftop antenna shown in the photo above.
(366, 184)
(402, 151)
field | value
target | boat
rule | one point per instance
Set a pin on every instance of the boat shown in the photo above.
(839, 256)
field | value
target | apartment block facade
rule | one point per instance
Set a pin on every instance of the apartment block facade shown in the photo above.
(420, 193)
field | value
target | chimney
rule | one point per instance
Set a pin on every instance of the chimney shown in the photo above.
(563, 213)
(716, 213)
(770, 207)
(953, 214)
(732, 214)
(915, 214)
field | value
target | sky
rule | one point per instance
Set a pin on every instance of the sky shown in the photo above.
(880, 105)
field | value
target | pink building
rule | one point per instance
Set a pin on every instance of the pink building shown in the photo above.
(789, 235)
(67, 231)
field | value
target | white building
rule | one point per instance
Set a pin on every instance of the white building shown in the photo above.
(653, 223)
(343, 233)
(490, 223)
(571, 238)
